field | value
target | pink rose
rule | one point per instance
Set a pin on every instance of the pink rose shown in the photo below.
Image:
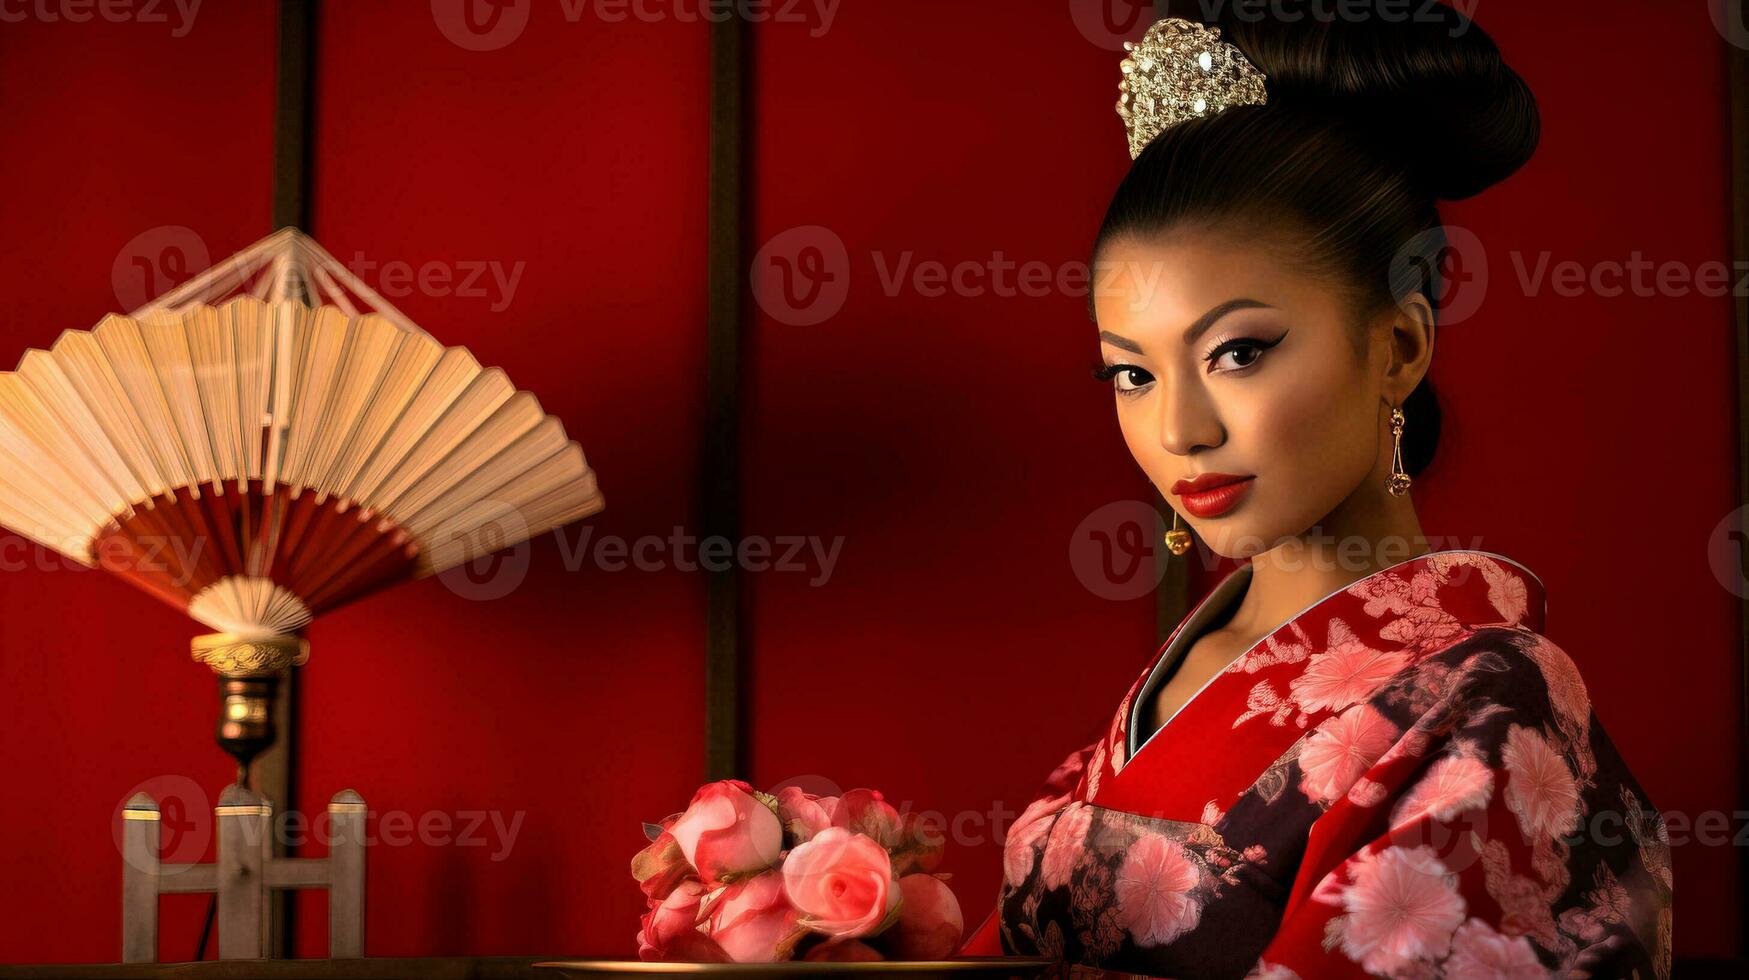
(842, 883)
(692, 947)
(726, 832)
(804, 814)
(843, 951)
(865, 811)
(930, 924)
(660, 865)
(672, 921)
(753, 922)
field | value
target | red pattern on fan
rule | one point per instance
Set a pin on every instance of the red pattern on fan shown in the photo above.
(323, 552)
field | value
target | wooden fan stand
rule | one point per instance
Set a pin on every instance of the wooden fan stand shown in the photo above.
(247, 872)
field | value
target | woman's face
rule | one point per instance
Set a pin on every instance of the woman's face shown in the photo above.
(1230, 362)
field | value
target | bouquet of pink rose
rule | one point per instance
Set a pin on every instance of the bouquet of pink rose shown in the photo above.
(746, 877)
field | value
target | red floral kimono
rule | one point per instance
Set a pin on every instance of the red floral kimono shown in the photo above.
(1405, 780)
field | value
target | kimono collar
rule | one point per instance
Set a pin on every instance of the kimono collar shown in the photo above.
(1418, 605)
(1476, 588)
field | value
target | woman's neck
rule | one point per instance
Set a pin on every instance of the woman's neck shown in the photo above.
(1374, 534)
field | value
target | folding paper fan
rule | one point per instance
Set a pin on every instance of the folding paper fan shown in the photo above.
(266, 458)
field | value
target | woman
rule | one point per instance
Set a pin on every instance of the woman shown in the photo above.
(1355, 756)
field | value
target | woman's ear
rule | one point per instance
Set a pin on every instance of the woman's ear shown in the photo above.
(1409, 344)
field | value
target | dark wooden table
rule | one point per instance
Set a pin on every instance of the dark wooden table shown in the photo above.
(371, 968)
(479, 968)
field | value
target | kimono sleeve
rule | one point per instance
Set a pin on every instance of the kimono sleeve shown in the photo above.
(1053, 794)
(1493, 832)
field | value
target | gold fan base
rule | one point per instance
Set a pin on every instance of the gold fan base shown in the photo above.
(231, 655)
(249, 670)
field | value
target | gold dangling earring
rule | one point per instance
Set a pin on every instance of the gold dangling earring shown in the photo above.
(1399, 482)
(1177, 539)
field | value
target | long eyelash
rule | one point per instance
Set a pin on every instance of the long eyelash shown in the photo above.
(1106, 372)
(1236, 342)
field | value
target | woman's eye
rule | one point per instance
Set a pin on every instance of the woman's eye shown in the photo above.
(1126, 378)
(1132, 379)
(1239, 354)
(1242, 356)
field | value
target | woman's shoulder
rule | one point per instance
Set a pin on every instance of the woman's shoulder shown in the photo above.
(1520, 665)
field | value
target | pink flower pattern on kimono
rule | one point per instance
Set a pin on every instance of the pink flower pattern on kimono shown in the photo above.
(1384, 593)
(1347, 672)
(1154, 891)
(1424, 628)
(1566, 689)
(1341, 749)
(1291, 649)
(1480, 953)
(1032, 824)
(1063, 847)
(1610, 906)
(1452, 785)
(1401, 908)
(1540, 788)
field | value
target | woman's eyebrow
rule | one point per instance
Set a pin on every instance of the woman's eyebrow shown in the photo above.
(1116, 341)
(1208, 319)
(1196, 329)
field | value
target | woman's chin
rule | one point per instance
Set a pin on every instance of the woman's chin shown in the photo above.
(1231, 540)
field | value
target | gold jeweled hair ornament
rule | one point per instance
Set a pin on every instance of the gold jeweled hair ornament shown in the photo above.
(1182, 70)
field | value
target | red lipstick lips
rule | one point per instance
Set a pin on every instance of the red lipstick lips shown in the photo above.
(1212, 494)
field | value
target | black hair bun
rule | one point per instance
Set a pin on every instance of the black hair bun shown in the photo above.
(1418, 80)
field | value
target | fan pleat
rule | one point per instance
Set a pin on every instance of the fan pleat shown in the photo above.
(259, 463)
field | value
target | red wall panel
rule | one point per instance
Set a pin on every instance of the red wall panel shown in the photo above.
(131, 149)
(567, 157)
